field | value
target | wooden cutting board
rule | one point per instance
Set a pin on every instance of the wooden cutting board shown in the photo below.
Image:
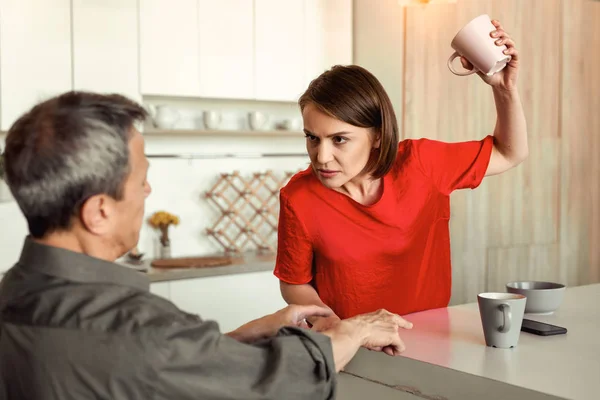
(192, 262)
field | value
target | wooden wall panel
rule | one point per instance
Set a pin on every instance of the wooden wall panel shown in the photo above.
(468, 231)
(594, 135)
(534, 26)
(376, 29)
(579, 238)
(438, 104)
(524, 201)
(535, 262)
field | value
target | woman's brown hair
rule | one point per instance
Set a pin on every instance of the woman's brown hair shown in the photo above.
(354, 95)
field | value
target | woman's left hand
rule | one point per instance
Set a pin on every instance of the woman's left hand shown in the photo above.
(507, 78)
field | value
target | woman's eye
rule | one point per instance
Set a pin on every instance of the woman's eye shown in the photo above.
(311, 137)
(339, 140)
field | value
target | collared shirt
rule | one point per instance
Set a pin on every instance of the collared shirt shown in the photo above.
(77, 327)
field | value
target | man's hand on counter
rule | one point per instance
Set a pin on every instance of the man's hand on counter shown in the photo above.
(379, 330)
(268, 326)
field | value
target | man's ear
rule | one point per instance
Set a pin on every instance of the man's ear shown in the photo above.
(95, 214)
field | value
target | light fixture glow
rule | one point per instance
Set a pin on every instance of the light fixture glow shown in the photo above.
(407, 3)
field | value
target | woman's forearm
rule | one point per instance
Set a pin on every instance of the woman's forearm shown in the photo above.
(510, 134)
(300, 294)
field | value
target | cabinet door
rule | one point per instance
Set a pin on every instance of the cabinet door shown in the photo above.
(35, 54)
(328, 35)
(105, 46)
(169, 47)
(226, 48)
(231, 300)
(279, 49)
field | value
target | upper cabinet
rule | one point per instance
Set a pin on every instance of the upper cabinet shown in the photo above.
(226, 37)
(241, 49)
(35, 54)
(228, 49)
(328, 35)
(279, 49)
(105, 46)
(169, 47)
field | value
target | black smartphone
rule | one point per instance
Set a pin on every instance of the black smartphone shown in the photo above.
(541, 328)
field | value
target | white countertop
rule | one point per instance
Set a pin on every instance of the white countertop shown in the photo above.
(446, 355)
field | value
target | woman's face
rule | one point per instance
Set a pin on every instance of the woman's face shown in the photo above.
(338, 151)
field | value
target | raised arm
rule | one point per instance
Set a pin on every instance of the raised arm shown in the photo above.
(510, 134)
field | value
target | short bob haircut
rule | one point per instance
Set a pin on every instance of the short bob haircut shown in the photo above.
(354, 95)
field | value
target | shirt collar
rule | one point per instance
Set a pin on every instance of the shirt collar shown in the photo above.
(78, 267)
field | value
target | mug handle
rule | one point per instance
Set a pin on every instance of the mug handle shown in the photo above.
(455, 72)
(506, 316)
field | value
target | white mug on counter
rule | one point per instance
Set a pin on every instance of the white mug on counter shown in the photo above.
(474, 43)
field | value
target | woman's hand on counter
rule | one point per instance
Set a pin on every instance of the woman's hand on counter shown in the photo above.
(268, 326)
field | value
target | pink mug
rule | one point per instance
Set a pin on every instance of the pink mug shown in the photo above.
(474, 43)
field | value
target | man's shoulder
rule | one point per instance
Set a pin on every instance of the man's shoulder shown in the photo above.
(92, 307)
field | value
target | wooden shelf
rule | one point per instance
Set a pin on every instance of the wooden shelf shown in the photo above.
(232, 133)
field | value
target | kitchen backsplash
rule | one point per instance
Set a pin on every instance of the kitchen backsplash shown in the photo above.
(179, 186)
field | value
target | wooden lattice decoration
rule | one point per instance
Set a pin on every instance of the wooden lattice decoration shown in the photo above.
(249, 211)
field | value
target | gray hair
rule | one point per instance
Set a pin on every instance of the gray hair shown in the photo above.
(65, 150)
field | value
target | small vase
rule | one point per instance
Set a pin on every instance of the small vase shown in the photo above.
(165, 251)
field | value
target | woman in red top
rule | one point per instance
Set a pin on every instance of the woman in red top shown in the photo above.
(365, 227)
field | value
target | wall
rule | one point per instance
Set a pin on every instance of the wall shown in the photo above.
(542, 219)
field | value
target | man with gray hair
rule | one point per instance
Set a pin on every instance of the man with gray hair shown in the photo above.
(74, 325)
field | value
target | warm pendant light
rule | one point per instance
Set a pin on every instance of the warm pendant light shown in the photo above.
(423, 2)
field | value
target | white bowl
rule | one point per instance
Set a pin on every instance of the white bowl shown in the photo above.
(542, 297)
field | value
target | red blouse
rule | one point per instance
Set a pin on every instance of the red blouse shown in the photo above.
(394, 254)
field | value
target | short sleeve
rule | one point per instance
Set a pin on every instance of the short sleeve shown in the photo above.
(196, 361)
(453, 166)
(294, 248)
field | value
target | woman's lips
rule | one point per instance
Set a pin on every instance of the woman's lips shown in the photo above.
(327, 174)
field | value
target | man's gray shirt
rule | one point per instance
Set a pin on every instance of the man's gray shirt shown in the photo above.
(77, 327)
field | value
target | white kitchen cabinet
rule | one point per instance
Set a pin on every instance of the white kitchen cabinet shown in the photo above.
(231, 300)
(35, 54)
(328, 35)
(169, 48)
(105, 46)
(279, 49)
(226, 37)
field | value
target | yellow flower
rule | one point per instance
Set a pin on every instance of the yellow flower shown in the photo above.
(162, 219)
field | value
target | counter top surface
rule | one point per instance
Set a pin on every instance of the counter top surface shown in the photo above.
(451, 339)
(244, 263)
